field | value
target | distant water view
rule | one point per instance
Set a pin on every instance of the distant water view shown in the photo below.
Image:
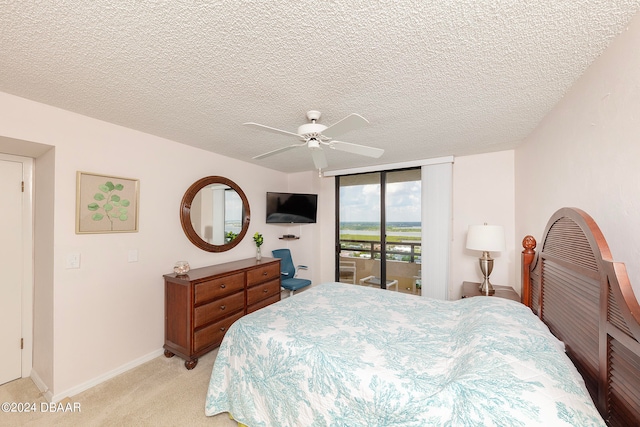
(403, 240)
(232, 226)
(398, 229)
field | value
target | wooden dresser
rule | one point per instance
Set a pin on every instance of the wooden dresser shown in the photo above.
(200, 306)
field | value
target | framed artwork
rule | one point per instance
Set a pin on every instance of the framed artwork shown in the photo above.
(106, 204)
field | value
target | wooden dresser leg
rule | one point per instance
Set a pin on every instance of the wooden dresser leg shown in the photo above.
(168, 354)
(190, 364)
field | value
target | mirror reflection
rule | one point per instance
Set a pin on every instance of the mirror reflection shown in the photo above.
(217, 213)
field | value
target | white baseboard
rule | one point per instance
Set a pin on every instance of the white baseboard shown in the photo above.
(94, 382)
(46, 393)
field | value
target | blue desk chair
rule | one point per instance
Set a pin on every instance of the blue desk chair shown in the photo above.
(288, 272)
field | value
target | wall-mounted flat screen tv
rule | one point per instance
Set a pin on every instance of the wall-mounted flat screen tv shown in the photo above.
(291, 208)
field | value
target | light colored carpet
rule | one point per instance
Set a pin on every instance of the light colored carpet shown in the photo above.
(161, 392)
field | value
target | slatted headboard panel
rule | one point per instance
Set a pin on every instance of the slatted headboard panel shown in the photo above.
(586, 299)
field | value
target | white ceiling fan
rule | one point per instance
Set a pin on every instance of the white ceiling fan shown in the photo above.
(315, 135)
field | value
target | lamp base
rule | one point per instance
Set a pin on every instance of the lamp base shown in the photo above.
(486, 288)
(486, 266)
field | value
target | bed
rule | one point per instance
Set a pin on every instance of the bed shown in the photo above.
(345, 355)
(573, 285)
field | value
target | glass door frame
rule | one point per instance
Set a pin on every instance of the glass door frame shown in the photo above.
(383, 223)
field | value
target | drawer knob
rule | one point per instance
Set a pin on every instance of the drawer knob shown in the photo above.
(222, 307)
(264, 273)
(223, 329)
(265, 290)
(223, 286)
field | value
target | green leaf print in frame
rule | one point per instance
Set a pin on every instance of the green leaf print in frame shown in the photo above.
(106, 204)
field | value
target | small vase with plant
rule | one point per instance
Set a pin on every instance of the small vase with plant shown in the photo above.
(257, 237)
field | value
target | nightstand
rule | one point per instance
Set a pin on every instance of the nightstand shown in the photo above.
(472, 289)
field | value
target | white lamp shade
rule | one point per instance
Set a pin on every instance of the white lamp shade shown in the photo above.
(488, 238)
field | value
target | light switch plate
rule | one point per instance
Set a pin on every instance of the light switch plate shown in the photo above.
(73, 260)
(133, 255)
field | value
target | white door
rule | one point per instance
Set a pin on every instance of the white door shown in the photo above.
(11, 266)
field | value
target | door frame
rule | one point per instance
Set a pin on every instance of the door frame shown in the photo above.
(383, 220)
(28, 261)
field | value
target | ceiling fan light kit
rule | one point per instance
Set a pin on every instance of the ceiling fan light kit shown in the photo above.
(316, 135)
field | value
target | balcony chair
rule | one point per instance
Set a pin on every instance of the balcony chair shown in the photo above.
(348, 268)
(375, 281)
(288, 272)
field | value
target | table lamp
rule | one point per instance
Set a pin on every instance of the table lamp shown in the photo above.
(486, 238)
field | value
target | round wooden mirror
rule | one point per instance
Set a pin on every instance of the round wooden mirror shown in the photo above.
(215, 214)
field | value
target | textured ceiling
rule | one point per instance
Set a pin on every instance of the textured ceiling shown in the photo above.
(433, 78)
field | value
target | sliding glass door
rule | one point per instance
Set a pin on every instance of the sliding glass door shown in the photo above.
(359, 227)
(379, 230)
(404, 229)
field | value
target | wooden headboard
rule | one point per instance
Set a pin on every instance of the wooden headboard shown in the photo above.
(587, 301)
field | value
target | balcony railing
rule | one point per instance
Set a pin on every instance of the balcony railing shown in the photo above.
(403, 262)
(398, 251)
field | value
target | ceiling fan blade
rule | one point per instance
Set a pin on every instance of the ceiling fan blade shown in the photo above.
(319, 159)
(279, 150)
(362, 150)
(270, 129)
(349, 123)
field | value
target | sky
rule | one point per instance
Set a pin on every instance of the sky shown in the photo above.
(361, 203)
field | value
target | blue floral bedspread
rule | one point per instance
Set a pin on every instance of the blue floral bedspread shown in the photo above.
(345, 355)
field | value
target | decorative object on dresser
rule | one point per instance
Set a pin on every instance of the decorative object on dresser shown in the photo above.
(201, 306)
(259, 240)
(181, 268)
(472, 289)
(486, 238)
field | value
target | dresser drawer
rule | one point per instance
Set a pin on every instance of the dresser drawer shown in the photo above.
(265, 290)
(217, 309)
(218, 287)
(263, 303)
(261, 274)
(213, 334)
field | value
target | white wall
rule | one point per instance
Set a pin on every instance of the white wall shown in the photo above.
(585, 154)
(305, 250)
(483, 191)
(327, 230)
(108, 314)
(43, 310)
